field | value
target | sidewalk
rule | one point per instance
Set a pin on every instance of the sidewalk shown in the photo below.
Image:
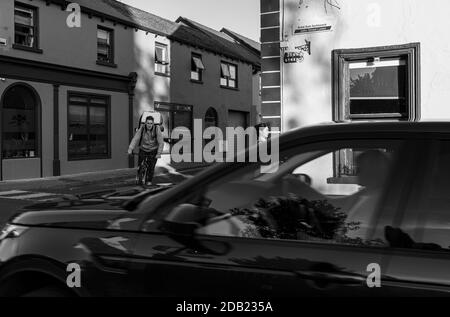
(86, 182)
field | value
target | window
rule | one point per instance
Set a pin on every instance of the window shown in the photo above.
(105, 46)
(197, 68)
(228, 75)
(377, 83)
(19, 123)
(25, 26)
(173, 116)
(298, 203)
(161, 59)
(89, 125)
(211, 118)
(345, 166)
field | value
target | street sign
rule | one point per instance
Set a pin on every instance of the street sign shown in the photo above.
(293, 57)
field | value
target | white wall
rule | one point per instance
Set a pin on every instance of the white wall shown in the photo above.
(307, 85)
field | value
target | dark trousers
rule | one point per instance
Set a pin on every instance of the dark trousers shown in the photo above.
(146, 162)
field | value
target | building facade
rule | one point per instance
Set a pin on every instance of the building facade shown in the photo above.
(212, 79)
(74, 85)
(353, 60)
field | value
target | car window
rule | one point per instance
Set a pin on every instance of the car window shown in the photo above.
(426, 223)
(329, 192)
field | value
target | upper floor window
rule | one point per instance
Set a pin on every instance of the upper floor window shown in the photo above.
(161, 58)
(25, 26)
(105, 47)
(228, 75)
(377, 83)
(197, 67)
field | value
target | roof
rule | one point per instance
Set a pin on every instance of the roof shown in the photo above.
(196, 34)
(251, 44)
(128, 15)
(188, 32)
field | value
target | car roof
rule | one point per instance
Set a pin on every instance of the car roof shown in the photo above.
(331, 128)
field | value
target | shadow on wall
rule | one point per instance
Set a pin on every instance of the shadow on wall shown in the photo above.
(301, 106)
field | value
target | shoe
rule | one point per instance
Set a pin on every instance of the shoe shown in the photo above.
(148, 184)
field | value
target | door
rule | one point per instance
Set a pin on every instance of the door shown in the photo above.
(237, 119)
(299, 231)
(420, 246)
(20, 132)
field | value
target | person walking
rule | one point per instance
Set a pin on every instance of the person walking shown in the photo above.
(150, 141)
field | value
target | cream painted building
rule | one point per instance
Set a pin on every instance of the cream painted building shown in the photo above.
(354, 60)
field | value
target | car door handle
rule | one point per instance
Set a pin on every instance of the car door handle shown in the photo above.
(340, 278)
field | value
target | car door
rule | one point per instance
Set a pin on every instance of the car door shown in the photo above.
(279, 235)
(420, 246)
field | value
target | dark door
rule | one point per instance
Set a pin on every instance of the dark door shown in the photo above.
(420, 246)
(303, 230)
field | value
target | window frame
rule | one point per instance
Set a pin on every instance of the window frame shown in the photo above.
(165, 64)
(111, 50)
(227, 86)
(171, 109)
(341, 58)
(198, 70)
(89, 96)
(35, 48)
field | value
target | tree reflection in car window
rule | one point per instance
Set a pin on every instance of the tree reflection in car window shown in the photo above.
(305, 199)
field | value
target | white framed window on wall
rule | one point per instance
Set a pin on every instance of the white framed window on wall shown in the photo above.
(89, 126)
(228, 75)
(26, 27)
(105, 46)
(161, 59)
(197, 68)
(379, 83)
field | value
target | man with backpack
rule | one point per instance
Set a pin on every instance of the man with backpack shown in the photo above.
(150, 140)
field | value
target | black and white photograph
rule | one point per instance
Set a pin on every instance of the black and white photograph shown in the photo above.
(224, 154)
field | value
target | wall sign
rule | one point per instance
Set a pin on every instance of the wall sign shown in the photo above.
(315, 16)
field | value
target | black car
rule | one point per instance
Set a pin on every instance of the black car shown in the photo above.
(349, 210)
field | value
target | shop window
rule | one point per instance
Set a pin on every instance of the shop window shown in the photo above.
(377, 83)
(25, 26)
(197, 68)
(105, 46)
(228, 75)
(19, 123)
(174, 116)
(89, 127)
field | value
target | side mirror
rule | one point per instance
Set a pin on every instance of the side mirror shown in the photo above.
(185, 219)
(304, 178)
(181, 225)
